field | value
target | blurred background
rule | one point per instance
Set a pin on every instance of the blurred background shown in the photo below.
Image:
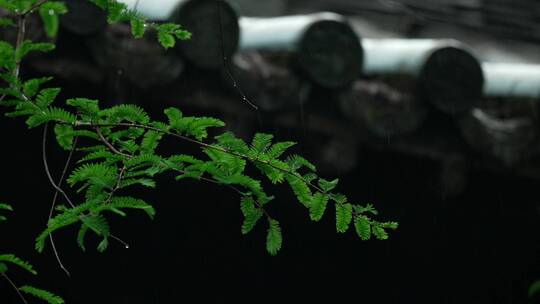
(427, 109)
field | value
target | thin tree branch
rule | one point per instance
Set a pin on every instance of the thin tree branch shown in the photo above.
(34, 7)
(108, 144)
(126, 245)
(200, 143)
(46, 165)
(14, 287)
(21, 29)
(53, 204)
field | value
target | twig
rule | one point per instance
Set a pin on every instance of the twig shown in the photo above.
(46, 165)
(108, 144)
(126, 245)
(21, 29)
(64, 171)
(117, 186)
(14, 287)
(34, 7)
(200, 143)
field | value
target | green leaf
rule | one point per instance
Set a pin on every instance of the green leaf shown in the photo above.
(80, 236)
(59, 221)
(50, 114)
(300, 189)
(379, 232)
(251, 213)
(117, 11)
(42, 294)
(260, 143)
(273, 237)
(138, 27)
(328, 186)
(296, 162)
(31, 87)
(362, 227)
(103, 245)
(365, 209)
(97, 223)
(9, 5)
(6, 207)
(229, 141)
(87, 107)
(11, 258)
(64, 136)
(95, 173)
(46, 97)
(49, 12)
(343, 217)
(150, 141)
(279, 148)
(166, 40)
(318, 206)
(3, 268)
(125, 112)
(4, 22)
(122, 202)
(28, 46)
(7, 57)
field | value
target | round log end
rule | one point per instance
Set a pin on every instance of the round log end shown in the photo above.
(452, 80)
(83, 18)
(215, 29)
(330, 53)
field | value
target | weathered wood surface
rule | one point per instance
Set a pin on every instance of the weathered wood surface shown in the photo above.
(269, 84)
(322, 47)
(143, 61)
(446, 74)
(385, 106)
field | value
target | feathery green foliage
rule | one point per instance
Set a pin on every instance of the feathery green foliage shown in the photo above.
(11, 258)
(273, 237)
(42, 294)
(121, 149)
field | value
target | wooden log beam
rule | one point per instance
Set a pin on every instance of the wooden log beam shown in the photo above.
(385, 106)
(269, 84)
(447, 75)
(143, 61)
(321, 47)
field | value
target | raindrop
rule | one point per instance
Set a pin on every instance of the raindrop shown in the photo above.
(51, 12)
